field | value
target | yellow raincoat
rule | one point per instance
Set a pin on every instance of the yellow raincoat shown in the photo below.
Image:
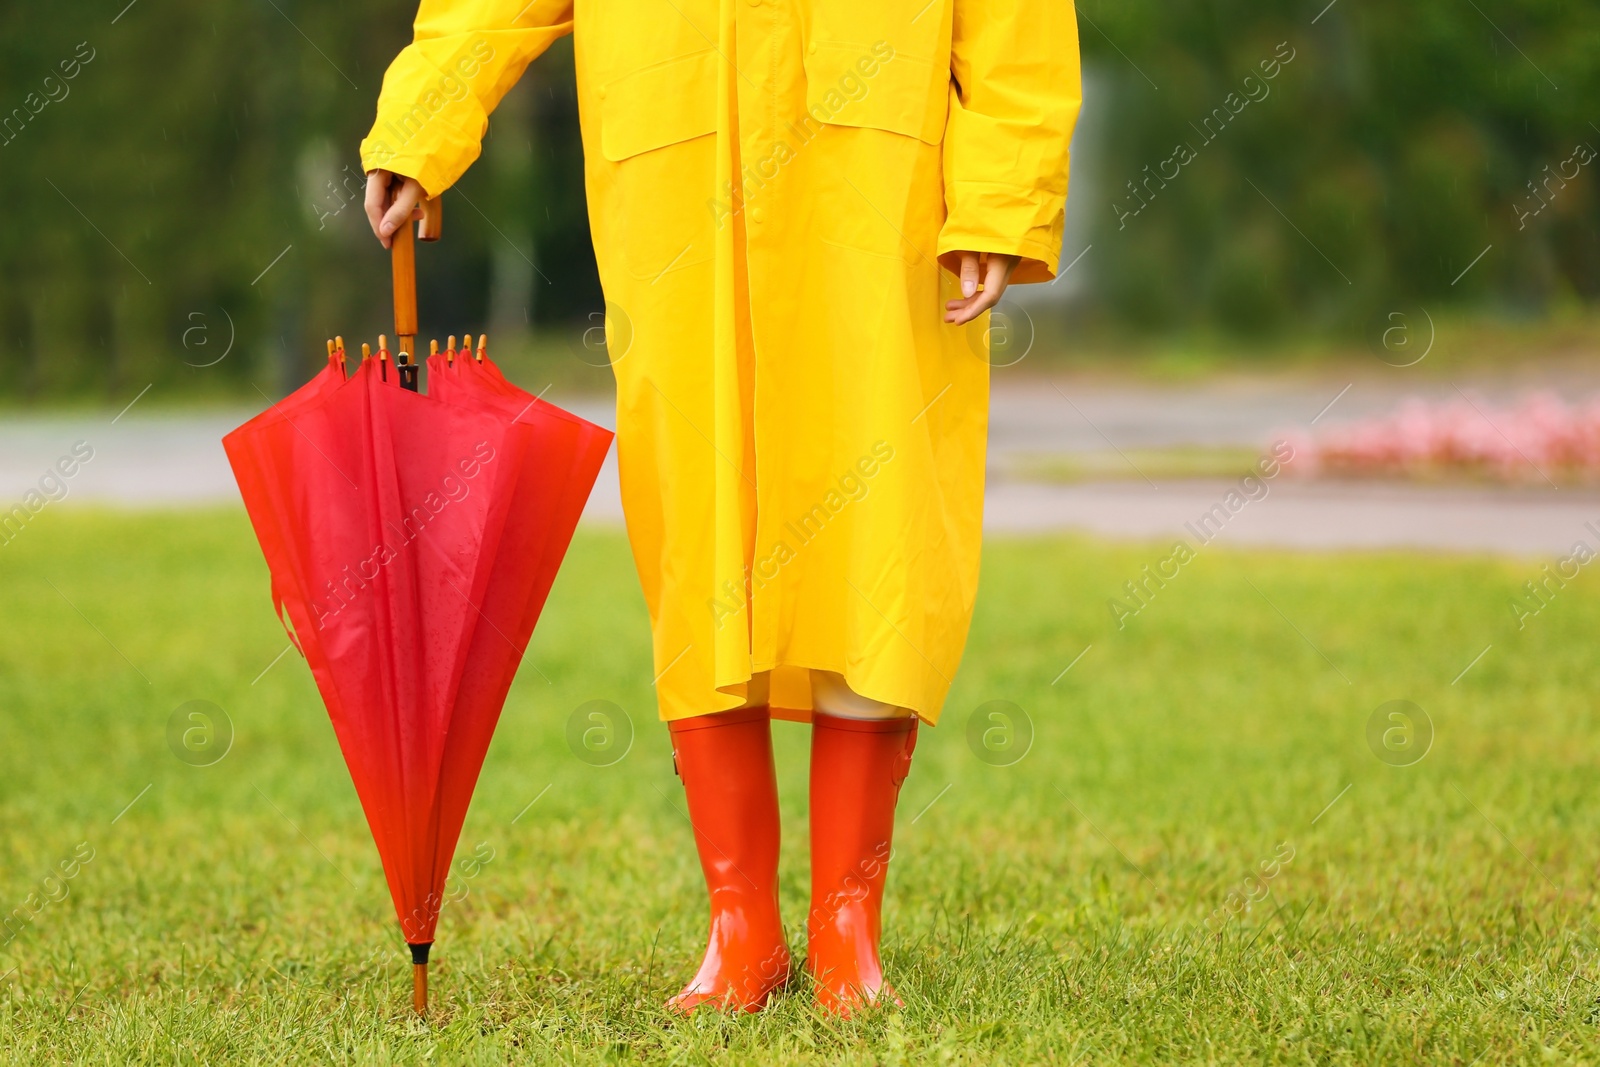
(772, 186)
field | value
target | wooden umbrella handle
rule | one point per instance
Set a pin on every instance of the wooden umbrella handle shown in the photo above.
(403, 256)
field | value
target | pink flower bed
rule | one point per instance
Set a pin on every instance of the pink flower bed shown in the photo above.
(1541, 436)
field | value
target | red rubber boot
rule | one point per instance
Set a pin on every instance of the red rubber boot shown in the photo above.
(857, 766)
(725, 762)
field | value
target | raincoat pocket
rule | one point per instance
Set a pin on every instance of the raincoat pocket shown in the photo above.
(877, 87)
(655, 127)
(660, 105)
(877, 115)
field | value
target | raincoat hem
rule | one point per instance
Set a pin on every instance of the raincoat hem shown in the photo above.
(928, 707)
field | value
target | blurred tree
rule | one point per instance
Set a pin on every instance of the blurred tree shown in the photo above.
(1392, 147)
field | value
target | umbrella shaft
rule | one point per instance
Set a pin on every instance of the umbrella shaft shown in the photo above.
(403, 258)
(419, 987)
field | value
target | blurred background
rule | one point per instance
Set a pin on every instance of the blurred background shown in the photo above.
(196, 179)
(1328, 303)
(1368, 231)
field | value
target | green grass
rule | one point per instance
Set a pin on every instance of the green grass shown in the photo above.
(1054, 910)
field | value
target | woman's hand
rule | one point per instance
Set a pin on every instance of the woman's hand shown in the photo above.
(994, 268)
(391, 200)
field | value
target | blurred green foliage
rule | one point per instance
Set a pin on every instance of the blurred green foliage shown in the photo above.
(195, 180)
(146, 199)
(1394, 145)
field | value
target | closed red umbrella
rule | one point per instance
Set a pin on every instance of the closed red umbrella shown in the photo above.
(412, 539)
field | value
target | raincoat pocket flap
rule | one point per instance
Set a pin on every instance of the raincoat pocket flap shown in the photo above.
(663, 104)
(876, 87)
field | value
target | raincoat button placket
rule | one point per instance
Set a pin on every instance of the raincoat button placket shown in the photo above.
(756, 42)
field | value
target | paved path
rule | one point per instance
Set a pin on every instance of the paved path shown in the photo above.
(1040, 415)
(1313, 515)
(146, 458)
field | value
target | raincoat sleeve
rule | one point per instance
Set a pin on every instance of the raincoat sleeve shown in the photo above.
(1015, 92)
(437, 95)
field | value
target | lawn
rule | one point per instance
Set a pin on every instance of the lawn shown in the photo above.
(1073, 906)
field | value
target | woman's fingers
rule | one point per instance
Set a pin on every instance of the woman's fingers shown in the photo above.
(404, 206)
(377, 201)
(969, 274)
(964, 311)
(974, 301)
(391, 203)
(999, 274)
(401, 211)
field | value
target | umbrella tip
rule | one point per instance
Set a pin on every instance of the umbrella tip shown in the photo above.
(419, 977)
(366, 350)
(338, 341)
(483, 344)
(433, 347)
(330, 346)
(419, 988)
(451, 346)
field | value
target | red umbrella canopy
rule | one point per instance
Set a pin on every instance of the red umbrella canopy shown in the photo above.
(412, 540)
